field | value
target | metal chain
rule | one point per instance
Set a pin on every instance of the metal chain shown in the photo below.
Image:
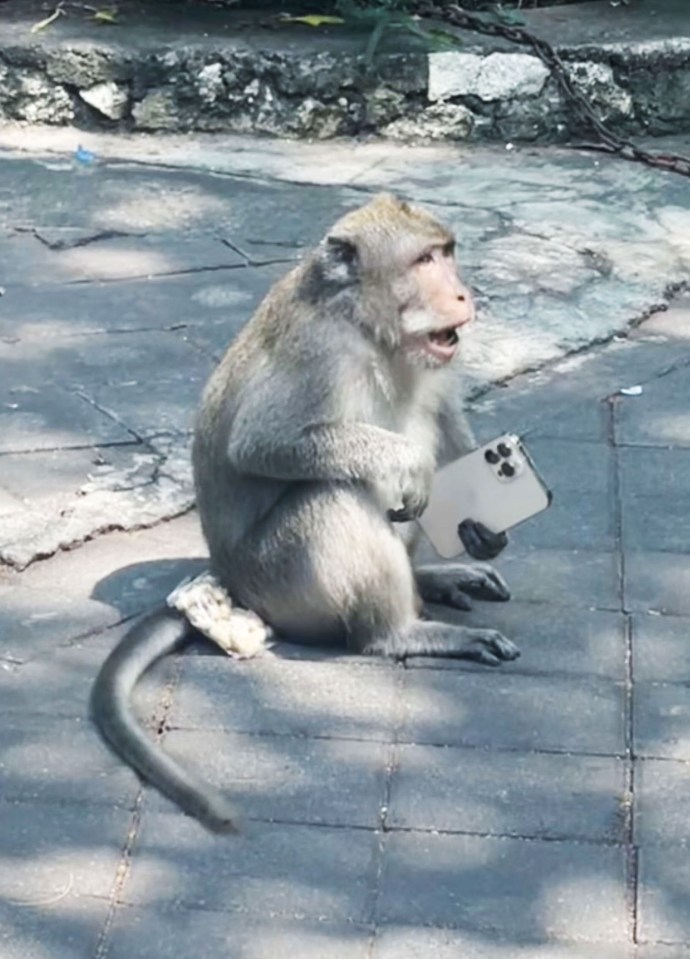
(610, 142)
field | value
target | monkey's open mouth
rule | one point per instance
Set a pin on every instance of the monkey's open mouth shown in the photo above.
(441, 343)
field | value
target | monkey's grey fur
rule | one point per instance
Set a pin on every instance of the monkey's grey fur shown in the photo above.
(322, 424)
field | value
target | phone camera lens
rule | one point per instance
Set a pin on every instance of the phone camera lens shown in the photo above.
(504, 450)
(491, 457)
(507, 470)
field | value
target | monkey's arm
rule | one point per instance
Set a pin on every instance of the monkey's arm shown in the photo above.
(337, 452)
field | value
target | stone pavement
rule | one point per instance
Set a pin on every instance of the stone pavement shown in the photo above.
(539, 810)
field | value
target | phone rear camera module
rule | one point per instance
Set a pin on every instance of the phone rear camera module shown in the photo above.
(507, 470)
(492, 457)
(505, 451)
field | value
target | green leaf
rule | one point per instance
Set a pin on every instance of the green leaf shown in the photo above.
(105, 16)
(313, 19)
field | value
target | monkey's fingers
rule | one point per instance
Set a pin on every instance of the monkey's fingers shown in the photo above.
(401, 515)
(479, 541)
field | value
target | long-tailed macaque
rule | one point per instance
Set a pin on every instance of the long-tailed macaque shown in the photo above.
(316, 441)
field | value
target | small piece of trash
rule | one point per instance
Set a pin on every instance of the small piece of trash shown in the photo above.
(82, 155)
(630, 391)
(510, 146)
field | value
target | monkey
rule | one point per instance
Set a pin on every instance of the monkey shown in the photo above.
(314, 448)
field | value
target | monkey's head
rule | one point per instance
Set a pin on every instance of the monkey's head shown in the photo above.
(391, 267)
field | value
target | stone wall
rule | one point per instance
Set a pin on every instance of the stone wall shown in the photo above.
(493, 94)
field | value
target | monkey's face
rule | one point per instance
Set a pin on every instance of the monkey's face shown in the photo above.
(390, 265)
(436, 307)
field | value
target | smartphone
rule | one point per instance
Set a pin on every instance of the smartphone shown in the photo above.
(497, 485)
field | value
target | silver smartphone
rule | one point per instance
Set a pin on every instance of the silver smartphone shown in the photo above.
(497, 485)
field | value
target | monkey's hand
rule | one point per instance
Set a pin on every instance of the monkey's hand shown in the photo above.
(413, 483)
(480, 542)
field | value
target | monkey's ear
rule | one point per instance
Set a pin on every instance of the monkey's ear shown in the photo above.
(340, 261)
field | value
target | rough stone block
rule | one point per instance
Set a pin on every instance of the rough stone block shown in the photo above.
(442, 707)
(277, 870)
(663, 895)
(514, 888)
(661, 650)
(328, 781)
(275, 695)
(501, 793)
(662, 720)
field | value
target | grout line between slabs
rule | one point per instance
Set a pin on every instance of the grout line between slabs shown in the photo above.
(124, 867)
(631, 857)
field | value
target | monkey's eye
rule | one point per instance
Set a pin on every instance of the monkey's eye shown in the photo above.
(449, 248)
(427, 257)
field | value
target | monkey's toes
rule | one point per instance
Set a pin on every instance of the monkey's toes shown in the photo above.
(504, 648)
(484, 582)
(491, 648)
(494, 587)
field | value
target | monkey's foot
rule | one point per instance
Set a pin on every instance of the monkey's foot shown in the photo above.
(490, 648)
(451, 585)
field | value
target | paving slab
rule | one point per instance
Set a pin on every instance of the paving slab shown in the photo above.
(392, 810)
(36, 418)
(412, 942)
(217, 297)
(284, 697)
(661, 648)
(659, 416)
(657, 582)
(41, 931)
(60, 760)
(664, 887)
(662, 802)
(555, 889)
(277, 870)
(555, 713)
(655, 490)
(160, 934)
(662, 720)
(328, 782)
(551, 638)
(61, 853)
(500, 793)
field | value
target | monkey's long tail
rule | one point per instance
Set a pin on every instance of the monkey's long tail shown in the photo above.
(158, 635)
